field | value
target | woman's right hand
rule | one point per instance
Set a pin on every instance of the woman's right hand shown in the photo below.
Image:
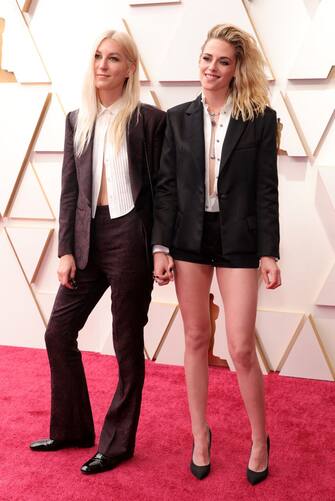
(163, 268)
(67, 270)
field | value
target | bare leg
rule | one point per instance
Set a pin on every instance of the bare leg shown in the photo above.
(192, 287)
(238, 287)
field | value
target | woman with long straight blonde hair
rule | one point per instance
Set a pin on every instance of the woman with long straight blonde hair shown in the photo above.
(216, 207)
(111, 154)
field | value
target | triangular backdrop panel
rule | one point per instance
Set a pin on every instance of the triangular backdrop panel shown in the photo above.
(24, 5)
(20, 320)
(327, 175)
(48, 168)
(30, 201)
(325, 328)
(275, 330)
(181, 61)
(45, 301)
(290, 141)
(159, 317)
(326, 151)
(326, 296)
(46, 280)
(263, 361)
(19, 53)
(143, 75)
(306, 358)
(172, 350)
(149, 97)
(318, 46)
(51, 136)
(26, 103)
(29, 244)
(313, 109)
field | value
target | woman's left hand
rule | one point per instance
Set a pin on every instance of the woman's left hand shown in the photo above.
(163, 268)
(270, 272)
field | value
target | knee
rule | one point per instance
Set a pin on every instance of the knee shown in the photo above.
(58, 341)
(244, 356)
(196, 339)
(52, 340)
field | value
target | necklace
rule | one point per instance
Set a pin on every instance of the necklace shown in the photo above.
(212, 116)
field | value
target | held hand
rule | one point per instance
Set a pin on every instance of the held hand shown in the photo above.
(163, 268)
(270, 272)
(67, 270)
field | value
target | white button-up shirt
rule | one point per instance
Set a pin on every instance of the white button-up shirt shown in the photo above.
(212, 201)
(120, 199)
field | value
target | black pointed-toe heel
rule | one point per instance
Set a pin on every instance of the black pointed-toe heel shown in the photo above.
(201, 472)
(255, 477)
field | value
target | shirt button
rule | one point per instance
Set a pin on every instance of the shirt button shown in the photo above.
(218, 159)
(221, 125)
(218, 140)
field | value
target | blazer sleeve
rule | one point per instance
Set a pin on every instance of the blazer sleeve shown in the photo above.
(157, 144)
(69, 194)
(165, 201)
(267, 189)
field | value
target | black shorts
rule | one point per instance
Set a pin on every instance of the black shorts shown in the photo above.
(211, 249)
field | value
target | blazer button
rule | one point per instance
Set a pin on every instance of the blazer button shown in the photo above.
(223, 196)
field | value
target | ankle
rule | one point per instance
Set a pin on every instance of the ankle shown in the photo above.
(259, 440)
(201, 432)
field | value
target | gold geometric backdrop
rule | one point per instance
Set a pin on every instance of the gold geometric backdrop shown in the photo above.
(44, 49)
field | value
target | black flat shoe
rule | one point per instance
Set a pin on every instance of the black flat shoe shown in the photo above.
(100, 463)
(255, 477)
(50, 445)
(201, 472)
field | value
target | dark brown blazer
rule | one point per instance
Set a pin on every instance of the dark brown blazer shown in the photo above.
(247, 184)
(144, 140)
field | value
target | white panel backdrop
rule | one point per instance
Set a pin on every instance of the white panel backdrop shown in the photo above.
(46, 51)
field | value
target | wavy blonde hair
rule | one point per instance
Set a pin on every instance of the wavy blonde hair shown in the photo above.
(89, 102)
(249, 87)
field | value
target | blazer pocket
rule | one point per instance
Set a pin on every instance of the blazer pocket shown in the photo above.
(246, 146)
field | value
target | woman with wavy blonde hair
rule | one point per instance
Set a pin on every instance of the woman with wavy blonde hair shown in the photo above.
(111, 155)
(216, 207)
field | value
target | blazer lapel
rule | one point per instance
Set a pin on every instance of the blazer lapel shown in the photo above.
(135, 140)
(85, 170)
(233, 134)
(196, 132)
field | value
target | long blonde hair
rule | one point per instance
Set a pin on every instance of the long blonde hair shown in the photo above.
(249, 87)
(89, 103)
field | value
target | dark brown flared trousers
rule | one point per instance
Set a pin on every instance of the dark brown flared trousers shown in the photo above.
(118, 258)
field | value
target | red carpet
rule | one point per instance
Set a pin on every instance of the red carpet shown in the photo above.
(301, 416)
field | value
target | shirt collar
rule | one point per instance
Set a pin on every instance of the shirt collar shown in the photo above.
(227, 108)
(113, 109)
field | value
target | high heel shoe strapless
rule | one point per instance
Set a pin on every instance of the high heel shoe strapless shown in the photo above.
(201, 472)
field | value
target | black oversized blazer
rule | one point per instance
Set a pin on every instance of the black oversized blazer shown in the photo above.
(247, 184)
(144, 141)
